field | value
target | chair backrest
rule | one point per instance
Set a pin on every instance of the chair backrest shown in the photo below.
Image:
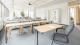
(69, 29)
(72, 28)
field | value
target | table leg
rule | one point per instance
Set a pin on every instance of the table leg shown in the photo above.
(31, 28)
(56, 30)
(37, 37)
(21, 29)
(52, 39)
(53, 36)
(7, 33)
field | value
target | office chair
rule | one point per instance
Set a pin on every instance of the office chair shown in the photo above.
(57, 35)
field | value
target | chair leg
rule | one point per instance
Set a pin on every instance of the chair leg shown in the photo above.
(67, 39)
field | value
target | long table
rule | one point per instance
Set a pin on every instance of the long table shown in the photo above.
(46, 28)
(21, 24)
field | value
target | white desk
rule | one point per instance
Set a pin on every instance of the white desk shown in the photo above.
(47, 27)
(8, 29)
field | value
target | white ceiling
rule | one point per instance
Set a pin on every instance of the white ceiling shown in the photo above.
(39, 3)
(35, 3)
(52, 2)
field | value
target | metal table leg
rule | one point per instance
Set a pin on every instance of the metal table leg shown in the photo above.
(52, 39)
(53, 36)
(37, 37)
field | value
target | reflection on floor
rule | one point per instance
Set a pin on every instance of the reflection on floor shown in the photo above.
(28, 38)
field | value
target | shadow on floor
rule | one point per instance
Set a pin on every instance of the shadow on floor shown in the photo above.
(1, 35)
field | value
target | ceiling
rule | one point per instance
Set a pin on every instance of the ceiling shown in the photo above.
(39, 3)
(35, 3)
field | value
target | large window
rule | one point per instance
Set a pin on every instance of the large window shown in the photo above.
(3, 14)
(72, 12)
(31, 12)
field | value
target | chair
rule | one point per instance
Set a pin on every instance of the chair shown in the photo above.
(68, 29)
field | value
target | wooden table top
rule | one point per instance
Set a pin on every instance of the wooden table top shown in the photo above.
(23, 23)
(47, 27)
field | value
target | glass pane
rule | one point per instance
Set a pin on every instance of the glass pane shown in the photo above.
(0, 10)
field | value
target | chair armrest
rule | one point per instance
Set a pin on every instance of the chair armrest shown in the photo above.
(63, 28)
(59, 28)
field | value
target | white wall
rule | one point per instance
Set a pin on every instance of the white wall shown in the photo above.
(41, 13)
(44, 12)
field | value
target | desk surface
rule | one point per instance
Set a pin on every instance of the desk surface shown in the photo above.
(23, 23)
(47, 27)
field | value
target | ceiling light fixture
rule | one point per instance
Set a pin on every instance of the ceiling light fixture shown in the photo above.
(29, 3)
